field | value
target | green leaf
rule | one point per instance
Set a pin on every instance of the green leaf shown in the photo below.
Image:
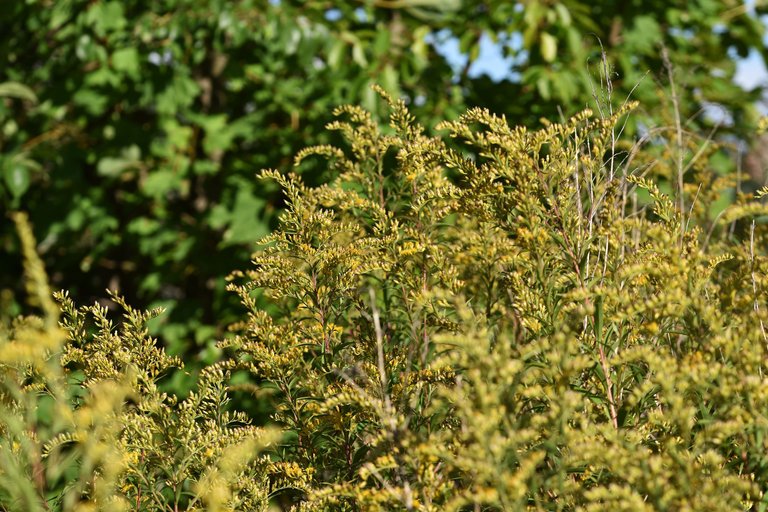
(160, 182)
(548, 47)
(181, 92)
(544, 87)
(106, 17)
(143, 226)
(111, 167)
(598, 320)
(244, 221)
(336, 54)
(17, 90)
(205, 167)
(389, 80)
(370, 98)
(358, 55)
(381, 43)
(217, 136)
(420, 49)
(178, 136)
(644, 36)
(114, 166)
(563, 13)
(126, 60)
(93, 102)
(246, 225)
(533, 14)
(16, 177)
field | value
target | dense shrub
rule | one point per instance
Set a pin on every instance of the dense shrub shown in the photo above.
(136, 162)
(547, 330)
(83, 425)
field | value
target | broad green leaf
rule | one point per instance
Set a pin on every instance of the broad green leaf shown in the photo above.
(106, 17)
(217, 135)
(206, 167)
(160, 182)
(144, 226)
(178, 135)
(370, 98)
(563, 14)
(103, 76)
(126, 60)
(111, 167)
(358, 55)
(114, 166)
(93, 102)
(644, 36)
(532, 17)
(381, 43)
(336, 54)
(544, 87)
(573, 39)
(389, 80)
(548, 46)
(243, 222)
(420, 48)
(16, 177)
(180, 93)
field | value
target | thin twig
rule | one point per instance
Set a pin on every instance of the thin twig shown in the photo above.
(754, 280)
(679, 133)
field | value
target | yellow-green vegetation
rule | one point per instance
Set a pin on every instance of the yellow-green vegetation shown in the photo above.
(498, 319)
(83, 426)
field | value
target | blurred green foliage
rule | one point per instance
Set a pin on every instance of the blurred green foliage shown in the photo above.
(135, 137)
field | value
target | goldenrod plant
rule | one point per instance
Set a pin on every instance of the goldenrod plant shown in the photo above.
(493, 321)
(84, 427)
(497, 319)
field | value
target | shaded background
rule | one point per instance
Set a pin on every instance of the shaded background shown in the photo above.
(131, 131)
